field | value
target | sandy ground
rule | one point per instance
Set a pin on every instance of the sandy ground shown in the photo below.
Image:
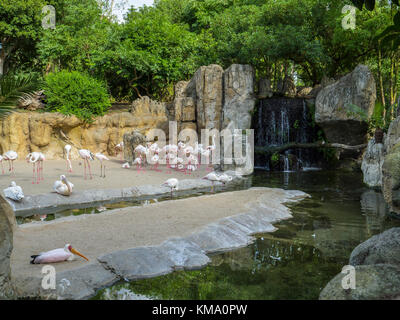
(116, 176)
(121, 229)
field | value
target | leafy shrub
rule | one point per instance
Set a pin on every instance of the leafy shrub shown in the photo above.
(74, 93)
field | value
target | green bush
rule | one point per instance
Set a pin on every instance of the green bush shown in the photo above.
(74, 93)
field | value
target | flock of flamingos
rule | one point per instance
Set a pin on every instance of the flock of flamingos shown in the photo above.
(180, 157)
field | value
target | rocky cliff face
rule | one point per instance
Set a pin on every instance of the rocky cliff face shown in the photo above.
(7, 224)
(372, 164)
(25, 132)
(334, 107)
(391, 166)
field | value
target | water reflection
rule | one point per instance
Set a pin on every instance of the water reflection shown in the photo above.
(294, 262)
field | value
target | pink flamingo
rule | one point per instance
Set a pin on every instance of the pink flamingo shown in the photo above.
(36, 158)
(67, 150)
(10, 156)
(86, 155)
(101, 157)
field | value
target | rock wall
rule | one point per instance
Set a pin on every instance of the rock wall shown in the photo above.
(7, 224)
(372, 163)
(25, 132)
(334, 112)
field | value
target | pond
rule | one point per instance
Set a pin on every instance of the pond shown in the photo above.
(297, 260)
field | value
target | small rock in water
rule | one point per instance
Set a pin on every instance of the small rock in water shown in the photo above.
(101, 209)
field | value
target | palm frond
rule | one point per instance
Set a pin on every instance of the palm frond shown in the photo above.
(13, 87)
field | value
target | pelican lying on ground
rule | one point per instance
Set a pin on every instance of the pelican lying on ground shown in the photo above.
(14, 192)
(57, 255)
(63, 186)
(172, 183)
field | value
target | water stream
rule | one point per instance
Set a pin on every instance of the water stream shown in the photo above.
(296, 261)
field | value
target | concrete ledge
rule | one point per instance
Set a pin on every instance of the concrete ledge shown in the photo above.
(54, 202)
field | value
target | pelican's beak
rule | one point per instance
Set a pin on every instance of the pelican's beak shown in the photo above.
(78, 254)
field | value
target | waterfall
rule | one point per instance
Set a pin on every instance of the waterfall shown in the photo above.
(279, 121)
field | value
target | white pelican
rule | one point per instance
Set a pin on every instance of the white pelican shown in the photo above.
(101, 157)
(10, 156)
(224, 178)
(1, 161)
(63, 186)
(172, 183)
(212, 176)
(67, 150)
(86, 155)
(14, 192)
(57, 255)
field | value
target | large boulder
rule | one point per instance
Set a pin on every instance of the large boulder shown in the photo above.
(131, 141)
(377, 270)
(239, 103)
(373, 282)
(372, 163)
(184, 107)
(335, 111)
(7, 224)
(391, 166)
(239, 100)
(391, 178)
(207, 90)
(381, 248)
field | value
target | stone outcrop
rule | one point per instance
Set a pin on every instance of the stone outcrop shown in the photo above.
(265, 88)
(7, 224)
(25, 132)
(377, 270)
(391, 166)
(373, 282)
(381, 248)
(131, 141)
(372, 163)
(184, 107)
(207, 89)
(335, 107)
(239, 100)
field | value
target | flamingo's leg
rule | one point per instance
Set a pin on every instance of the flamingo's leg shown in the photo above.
(84, 170)
(33, 174)
(90, 171)
(37, 172)
(2, 167)
(104, 171)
